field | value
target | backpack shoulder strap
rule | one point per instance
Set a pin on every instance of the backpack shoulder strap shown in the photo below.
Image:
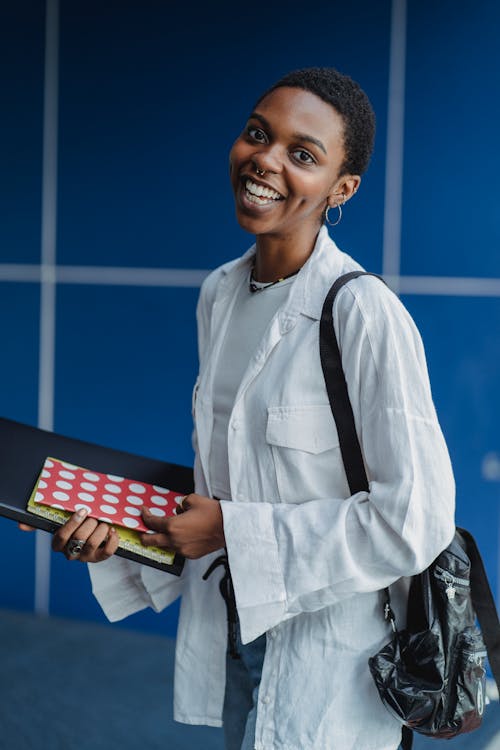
(406, 738)
(338, 395)
(484, 604)
(336, 386)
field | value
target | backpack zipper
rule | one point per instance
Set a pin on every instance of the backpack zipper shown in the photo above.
(475, 656)
(450, 580)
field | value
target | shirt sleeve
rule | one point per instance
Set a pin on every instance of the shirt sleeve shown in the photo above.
(286, 559)
(123, 587)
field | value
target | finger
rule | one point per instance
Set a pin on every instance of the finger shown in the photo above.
(81, 535)
(183, 506)
(80, 539)
(156, 523)
(109, 548)
(64, 534)
(101, 544)
(25, 527)
(157, 540)
(97, 537)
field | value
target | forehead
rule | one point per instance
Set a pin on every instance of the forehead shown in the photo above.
(294, 110)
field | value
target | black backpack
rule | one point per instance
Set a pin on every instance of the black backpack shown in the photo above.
(431, 675)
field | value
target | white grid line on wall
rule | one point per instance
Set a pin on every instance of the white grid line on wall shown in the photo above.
(460, 286)
(47, 280)
(393, 196)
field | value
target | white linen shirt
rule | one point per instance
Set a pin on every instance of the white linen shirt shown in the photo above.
(308, 560)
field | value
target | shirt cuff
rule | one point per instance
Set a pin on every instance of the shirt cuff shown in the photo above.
(116, 584)
(255, 568)
(162, 588)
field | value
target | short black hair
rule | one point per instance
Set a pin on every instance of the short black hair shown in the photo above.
(349, 100)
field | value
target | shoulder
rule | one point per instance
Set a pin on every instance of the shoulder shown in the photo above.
(367, 308)
(373, 297)
(371, 294)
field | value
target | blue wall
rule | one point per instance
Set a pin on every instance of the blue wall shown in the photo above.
(151, 97)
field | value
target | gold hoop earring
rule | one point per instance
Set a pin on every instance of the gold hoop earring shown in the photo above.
(327, 219)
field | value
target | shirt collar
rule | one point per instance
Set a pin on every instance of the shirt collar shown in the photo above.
(311, 285)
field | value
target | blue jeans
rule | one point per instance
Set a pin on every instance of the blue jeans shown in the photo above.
(242, 690)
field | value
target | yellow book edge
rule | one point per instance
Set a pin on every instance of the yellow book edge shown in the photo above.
(129, 539)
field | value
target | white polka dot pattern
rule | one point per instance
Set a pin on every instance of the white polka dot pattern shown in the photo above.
(157, 500)
(131, 523)
(135, 500)
(114, 478)
(111, 498)
(64, 485)
(112, 488)
(139, 489)
(66, 474)
(106, 497)
(91, 477)
(86, 497)
(157, 512)
(62, 496)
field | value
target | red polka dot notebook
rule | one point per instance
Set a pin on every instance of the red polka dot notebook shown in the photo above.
(63, 488)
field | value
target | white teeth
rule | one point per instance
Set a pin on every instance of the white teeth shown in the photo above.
(258, 200)
(260, 191)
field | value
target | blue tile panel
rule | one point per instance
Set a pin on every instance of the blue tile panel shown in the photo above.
(450, 215)
(21, 86)
(151, 101)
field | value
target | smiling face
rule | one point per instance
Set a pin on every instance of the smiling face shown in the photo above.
(297, 140)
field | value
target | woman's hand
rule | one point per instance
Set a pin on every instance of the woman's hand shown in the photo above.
(85, 539)
(195, 531)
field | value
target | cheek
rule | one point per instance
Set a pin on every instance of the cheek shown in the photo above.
(238, 153)
(312, 190)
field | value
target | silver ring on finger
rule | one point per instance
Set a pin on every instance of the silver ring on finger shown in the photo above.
(74, 547)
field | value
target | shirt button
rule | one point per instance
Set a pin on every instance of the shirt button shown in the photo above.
(235, 424)
(266, 699)
(272, 634)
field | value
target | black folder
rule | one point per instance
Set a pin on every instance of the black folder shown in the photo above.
(23, 450)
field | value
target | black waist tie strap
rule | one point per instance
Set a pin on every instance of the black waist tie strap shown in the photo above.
(227, 591)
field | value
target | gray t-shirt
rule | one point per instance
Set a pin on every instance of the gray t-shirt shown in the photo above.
(252, 313)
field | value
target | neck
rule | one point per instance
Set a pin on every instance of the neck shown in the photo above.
(279, 257)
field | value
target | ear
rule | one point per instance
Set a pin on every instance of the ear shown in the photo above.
(343, 190)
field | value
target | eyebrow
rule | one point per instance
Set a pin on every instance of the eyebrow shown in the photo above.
(299, 136)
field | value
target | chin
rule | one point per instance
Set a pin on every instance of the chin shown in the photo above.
(251, 224)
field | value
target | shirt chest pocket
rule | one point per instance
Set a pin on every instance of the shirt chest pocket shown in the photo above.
(306, 453)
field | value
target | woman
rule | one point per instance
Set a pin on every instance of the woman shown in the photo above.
(307, 561)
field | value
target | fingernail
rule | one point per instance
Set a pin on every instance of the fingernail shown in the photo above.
(146, 510)
(82, 512)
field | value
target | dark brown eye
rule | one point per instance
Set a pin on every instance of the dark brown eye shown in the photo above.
(304, 157)
(256, 133)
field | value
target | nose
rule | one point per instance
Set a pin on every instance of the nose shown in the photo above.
(269, 159)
